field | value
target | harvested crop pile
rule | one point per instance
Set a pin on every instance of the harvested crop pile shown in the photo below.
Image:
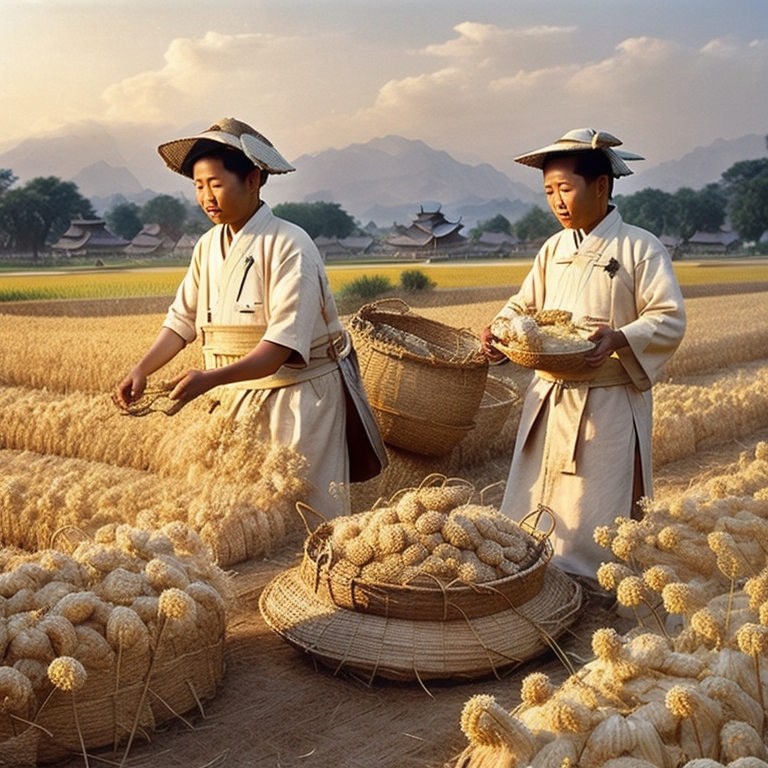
(430, 534)
(105, 638)
(550, 331)
(429, 585)
(222, 478)
(684, 688)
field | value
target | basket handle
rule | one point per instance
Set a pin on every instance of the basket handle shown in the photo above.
(533, 519)
(392, 304)
(301, 507)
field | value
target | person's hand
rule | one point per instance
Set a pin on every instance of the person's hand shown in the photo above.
(486, 341)
(607, 341)
(189, 385)
(130, 389)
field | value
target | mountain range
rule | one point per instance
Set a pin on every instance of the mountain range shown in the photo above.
(382, 181)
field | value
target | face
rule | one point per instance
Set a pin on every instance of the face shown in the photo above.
(222, 195)
(576, 202)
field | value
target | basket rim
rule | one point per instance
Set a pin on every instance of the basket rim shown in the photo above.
(543, 547)
(546, 361)
(473, 357)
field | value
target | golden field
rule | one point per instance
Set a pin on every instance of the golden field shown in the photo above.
(69, 460)
(112, 283)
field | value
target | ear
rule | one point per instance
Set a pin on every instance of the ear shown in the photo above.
(602, 185)
(253, 180)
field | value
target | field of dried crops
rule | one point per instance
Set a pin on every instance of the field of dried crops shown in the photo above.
(68, 459)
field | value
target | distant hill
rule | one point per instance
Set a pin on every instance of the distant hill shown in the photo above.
(700, 167)
(383, 180)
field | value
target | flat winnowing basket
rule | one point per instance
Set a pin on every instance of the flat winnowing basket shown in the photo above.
(225, 344)
(406, 650)
(552, 362)
(435, 601)
(416, 371)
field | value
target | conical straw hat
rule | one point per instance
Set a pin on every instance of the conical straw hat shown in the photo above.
(258, 149)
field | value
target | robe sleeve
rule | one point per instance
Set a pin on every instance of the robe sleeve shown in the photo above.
(182, 313)
(660, 324)
(296, 295)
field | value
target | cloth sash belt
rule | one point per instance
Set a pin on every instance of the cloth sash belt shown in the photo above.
(567, 405)
(224, 344)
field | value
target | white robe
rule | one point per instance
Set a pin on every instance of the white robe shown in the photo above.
(575, 447)
(284, 289)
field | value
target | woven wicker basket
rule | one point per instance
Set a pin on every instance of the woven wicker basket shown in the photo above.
(498, 400)
(225, 344)
(429, 603)
(440, 384)
(404, 650)
(552, 362)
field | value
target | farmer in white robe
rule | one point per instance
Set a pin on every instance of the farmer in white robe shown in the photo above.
(262, 276)
(583, 449)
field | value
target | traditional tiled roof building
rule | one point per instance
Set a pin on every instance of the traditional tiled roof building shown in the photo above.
(151, 241)
(88, 236)
(429, 230)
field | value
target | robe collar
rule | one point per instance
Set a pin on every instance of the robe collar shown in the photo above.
(596, 244)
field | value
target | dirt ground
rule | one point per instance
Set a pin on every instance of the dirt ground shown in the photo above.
(275, 708)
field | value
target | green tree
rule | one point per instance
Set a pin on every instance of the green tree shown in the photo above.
(318, 219)
(40, 212)
(124, 219)
(746, 186)
(649, 208)
(498, 223)
(535, 225)
(7, 179)
(698, 211)
(167, 211)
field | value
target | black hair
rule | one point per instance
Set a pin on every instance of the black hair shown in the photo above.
(590, 164)
(232, 159)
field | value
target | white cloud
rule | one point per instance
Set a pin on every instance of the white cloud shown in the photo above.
(496, 99)
(196, 72)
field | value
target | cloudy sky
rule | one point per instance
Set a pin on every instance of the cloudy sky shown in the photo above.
(481, 79)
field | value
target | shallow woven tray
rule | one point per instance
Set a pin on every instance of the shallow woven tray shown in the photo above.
(401, 649)
(552, 362)
(428, 603)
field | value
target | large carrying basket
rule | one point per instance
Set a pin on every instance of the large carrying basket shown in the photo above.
(424, 379)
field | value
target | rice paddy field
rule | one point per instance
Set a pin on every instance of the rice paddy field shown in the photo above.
(68, 460)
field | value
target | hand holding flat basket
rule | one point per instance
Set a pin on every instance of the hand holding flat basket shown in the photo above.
(546, 340)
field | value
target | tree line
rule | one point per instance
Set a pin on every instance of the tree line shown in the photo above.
(740, 197)
(35, 215)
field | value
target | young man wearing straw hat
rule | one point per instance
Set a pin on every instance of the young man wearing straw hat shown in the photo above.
(257, 280)
(583, 447)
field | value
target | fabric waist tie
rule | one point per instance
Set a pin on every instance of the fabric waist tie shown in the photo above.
(225, 344)
(610, 374)
(568, 405)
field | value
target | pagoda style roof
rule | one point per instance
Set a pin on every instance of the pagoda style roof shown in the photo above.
(151, 240)
(429, 229)
(86, 235)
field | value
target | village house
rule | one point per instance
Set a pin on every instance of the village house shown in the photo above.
(87, 237)
(428, 232)
(151, 241)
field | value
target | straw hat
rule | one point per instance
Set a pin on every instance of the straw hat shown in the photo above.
(233, 133)
(583, 139)
(417, 650)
